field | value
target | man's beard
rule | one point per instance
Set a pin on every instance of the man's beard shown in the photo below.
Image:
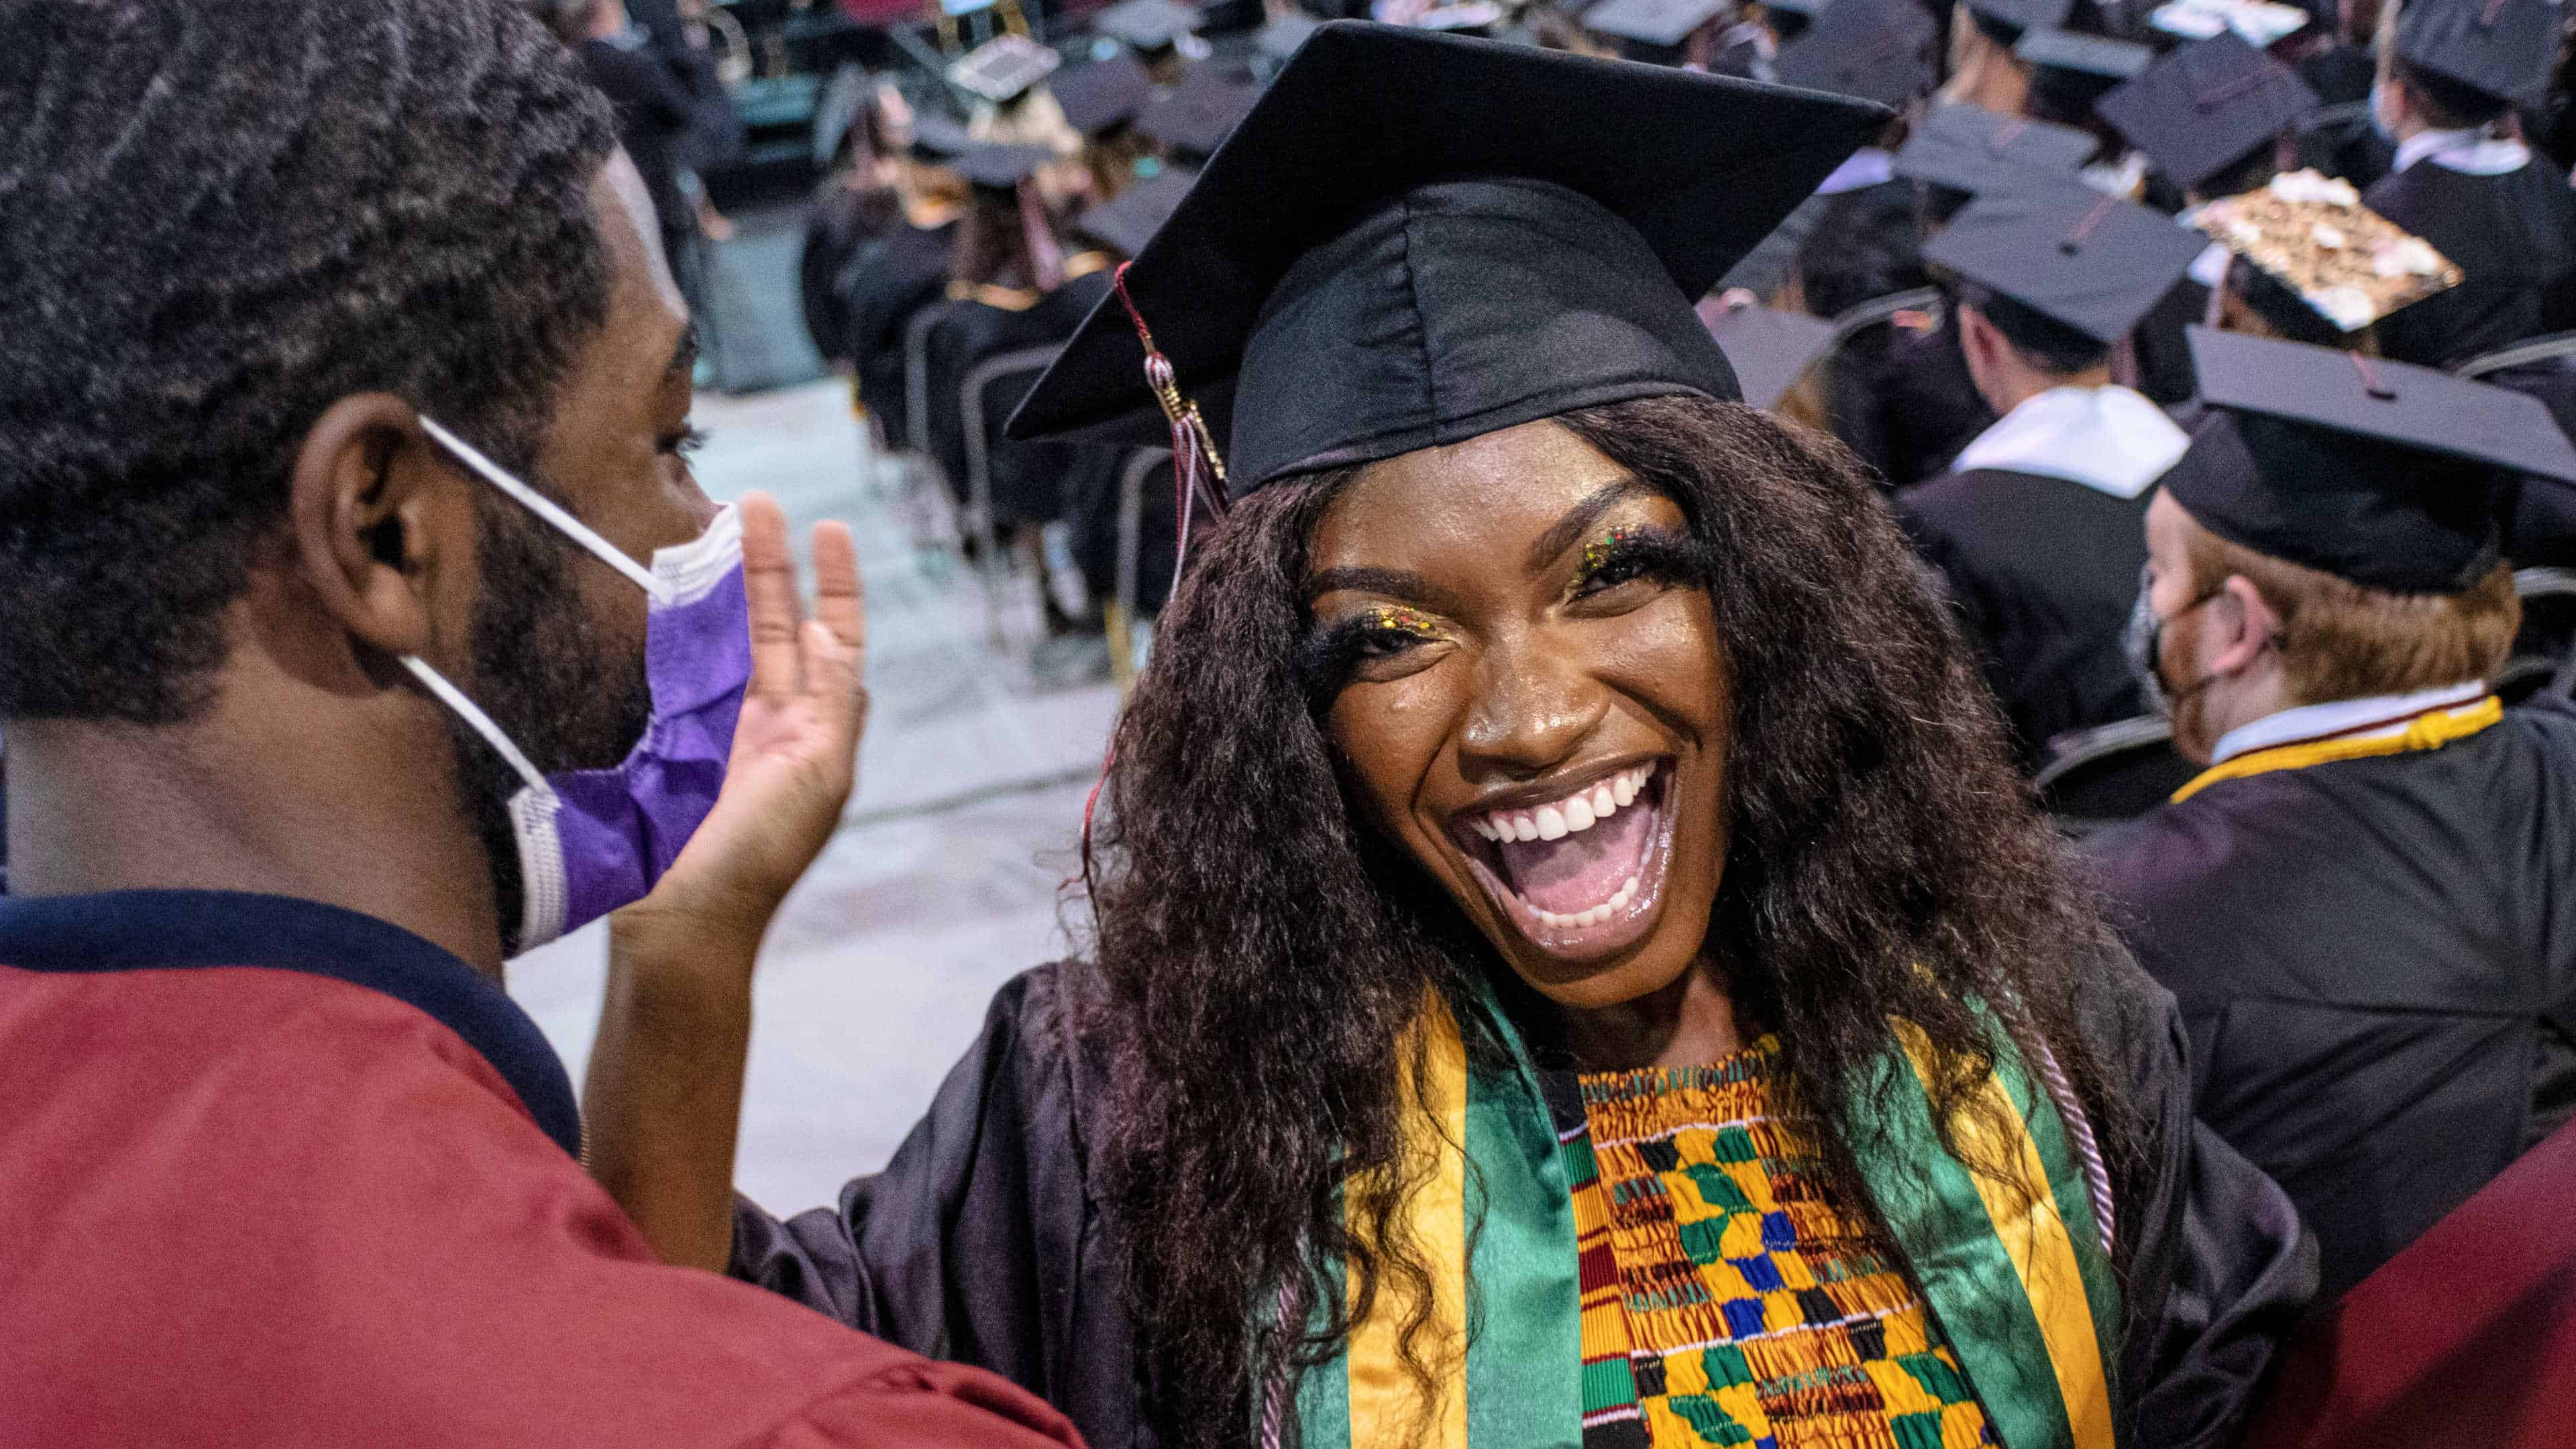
(557, 684)
(2181, 640)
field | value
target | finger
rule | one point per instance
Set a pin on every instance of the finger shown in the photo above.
(840, 597)
(769, 578)
(832, 676)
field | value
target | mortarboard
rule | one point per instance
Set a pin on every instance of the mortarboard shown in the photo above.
(2089, 261)
(1000, 168)
(2311, 234)
(1194, 117)
(1148, 26)
(2075, 69)
(1878, 50)
(1002, 69)
(2259, 23)
(1804, 9)
(1463, 18)
(1128, 223)
(2006, 20)
(1368, 269)
(2204, 106)
(1969, 148)
(1770, 349)
(1658, 26)
(2497, 48)
(2376, 472)
(937, 138)
(1102, 96)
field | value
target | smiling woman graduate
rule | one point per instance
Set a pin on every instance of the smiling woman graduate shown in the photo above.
(1573, 963)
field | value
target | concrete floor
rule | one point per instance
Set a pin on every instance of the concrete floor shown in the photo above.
(945, 878)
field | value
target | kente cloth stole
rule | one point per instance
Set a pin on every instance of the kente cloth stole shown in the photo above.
(2428, 731)
(2017, 1281)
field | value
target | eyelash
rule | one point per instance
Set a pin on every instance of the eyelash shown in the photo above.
(1623, 555)
(686, 442)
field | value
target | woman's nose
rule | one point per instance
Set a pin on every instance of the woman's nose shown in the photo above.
(1532, 711)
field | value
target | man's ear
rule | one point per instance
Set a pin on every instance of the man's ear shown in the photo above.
(2247, 626)
(376, 515)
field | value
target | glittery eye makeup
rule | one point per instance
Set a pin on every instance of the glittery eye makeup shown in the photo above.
(1398, 619)
(1629, 552)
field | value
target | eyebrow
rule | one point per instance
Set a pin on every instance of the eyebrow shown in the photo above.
(1566, 532)
(684, 355)
(1390, 583)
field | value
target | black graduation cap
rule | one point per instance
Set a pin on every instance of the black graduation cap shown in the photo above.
(2199, 110)
(1194, 117)
(1770, 349)
(1002, 69)
(1662, 24)
(1149, 26)
(2497, 48)
(2006, 20)
(1969, 148)
(1804, 9)
(1369, 269)
(937, 138)
(2075, 69)
(1128, 223)
(1103, 96)
(1002, 168)
(2373, 471)
(1878, 50)
(2093, 262)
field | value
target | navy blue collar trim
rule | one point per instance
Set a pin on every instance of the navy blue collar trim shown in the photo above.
(166, 930)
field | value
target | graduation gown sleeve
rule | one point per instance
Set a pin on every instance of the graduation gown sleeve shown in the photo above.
(981, 1241)
(2222, 1269)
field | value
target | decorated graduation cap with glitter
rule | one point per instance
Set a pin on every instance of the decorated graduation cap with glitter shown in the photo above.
(1969, 148)
(2501, 49)
(2311, 235)
(1003, 69)
(2206, 106)
(1879, 50)
(1369, 269)
(2088, 261)
(2376, 472)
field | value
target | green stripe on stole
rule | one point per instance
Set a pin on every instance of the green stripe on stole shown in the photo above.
(1524, 1360)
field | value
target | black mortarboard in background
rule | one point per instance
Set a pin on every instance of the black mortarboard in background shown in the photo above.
(937, 138)
(1103, 96)
(2073, 70)
(1003, 69)
(1651, 30)
(2089, 261)
(2006, 20)
(1764, 270)
(2376, 472)
(2205, 106)
(1148, 27)
(1371, 269)
(1879, 50)
(1001, 168)
(1770, 349)
(2498, 48)
(1128, 223)
(1969, 148)
(1193, 118)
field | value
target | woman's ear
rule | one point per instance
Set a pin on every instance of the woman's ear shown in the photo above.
(376, 515)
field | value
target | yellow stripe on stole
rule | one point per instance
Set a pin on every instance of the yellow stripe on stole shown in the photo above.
(2429, 731)
(1386, 1407)
(2036, 1240)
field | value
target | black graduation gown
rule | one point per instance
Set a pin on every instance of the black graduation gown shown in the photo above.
(2513, 236)
(844, 220)
(1028, 478)
(2376, 962)
(2540, 516)
(2043, 573)
(889, 280)
(986, 1238)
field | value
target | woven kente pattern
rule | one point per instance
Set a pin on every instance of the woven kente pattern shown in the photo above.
(1724, 1300)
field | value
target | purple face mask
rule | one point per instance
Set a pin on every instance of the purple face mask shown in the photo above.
(591, 841)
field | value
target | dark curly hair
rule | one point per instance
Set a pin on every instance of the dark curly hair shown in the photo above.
(221, 217)
(1260, 955)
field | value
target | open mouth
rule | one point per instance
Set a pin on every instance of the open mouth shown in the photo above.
(1583, 874)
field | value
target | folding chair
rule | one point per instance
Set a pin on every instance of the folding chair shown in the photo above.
(2112, 772)
(1026, 361)
(1125, 607)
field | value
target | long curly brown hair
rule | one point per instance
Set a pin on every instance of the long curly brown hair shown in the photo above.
(1261, 954)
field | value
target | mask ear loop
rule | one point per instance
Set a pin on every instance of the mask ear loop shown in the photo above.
(1198, 475)
(547, 509)
(541, 879)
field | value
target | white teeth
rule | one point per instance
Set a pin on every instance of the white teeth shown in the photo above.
(1603, 801)
(1551, 825)
(1524, 828)
(1578, 814)
(1624, 788)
